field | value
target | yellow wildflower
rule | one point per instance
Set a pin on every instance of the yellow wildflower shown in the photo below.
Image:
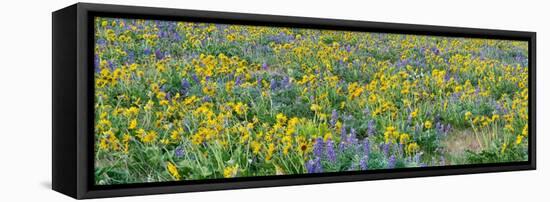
(255, 147)
(173, 170)
(414, 113)
(519, 138)
(503, 148)
(428, 124)
(412, 148)
(133, 124)
(240, 108)
(103, 144)
(281, 118)
(404, 138)
(315, 107)
(149, 136)
(230, 171)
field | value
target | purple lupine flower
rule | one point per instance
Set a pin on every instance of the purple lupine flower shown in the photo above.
(195, 78)
(310, 166)
(285, 83)
(366, 147)
(168, 96)
(101, 42)
(259, 82)
(146, 51)
(435, 50)
(333, 118)
(318, 147)
(159, 55)
(348, 48)
(371, 128)
(447, 77)
(264, 66)
(111, 65)
(96, 63)
(238, 81)
(272, 84)
(442, 129)
(343, 135)
(177, 36)
(454, 97)
(314, 166)
(178, 152)
(341, 146)
(386, 149)
(319, 166)
(331, 155)
(161, 34)
(518, 58)
(206, 99)
(364, 163)
(185, 86)
(131, 56)
(391, 162)
(352, 137)
(399, 148)
(416, 158)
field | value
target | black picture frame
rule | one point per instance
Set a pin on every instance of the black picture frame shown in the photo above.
(73, 99)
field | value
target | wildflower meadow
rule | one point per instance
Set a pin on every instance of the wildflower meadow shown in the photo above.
(191, 101)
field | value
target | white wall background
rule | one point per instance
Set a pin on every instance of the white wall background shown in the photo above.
(25, 100)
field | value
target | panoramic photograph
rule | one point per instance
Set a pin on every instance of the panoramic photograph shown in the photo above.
(179, 101)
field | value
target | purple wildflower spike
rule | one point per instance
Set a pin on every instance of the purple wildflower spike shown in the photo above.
(314, 166)
(310, 166)
(391, 162)
(159, 55)
(364, 163)
(386, 149)
(185, 86)
(285, 83)
(259, 82)
(196, 79)
(318, 147)
(331, 155)
(273, 84)
(352, 137)
(178, 153)
(238, 81)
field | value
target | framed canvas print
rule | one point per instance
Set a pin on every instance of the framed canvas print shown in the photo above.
(154, 100)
